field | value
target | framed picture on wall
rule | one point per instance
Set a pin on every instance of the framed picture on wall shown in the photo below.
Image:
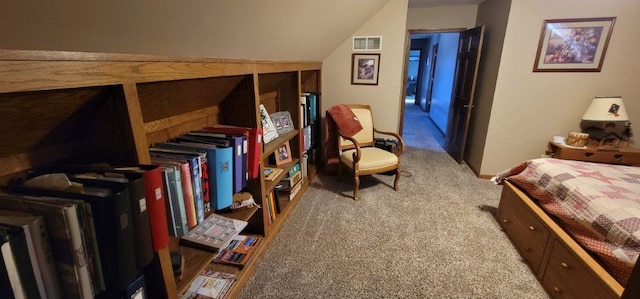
(573, 45)
(364, 69)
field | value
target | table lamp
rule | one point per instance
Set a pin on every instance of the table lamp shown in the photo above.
(605, 119)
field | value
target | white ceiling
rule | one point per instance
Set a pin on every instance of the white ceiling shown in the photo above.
(420, 3)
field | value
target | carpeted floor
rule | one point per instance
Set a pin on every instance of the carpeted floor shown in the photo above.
(435, 238)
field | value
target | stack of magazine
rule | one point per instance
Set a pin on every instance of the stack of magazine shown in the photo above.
(214, 233)
(210, 284)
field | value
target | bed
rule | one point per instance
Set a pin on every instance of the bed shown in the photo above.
(576, 224)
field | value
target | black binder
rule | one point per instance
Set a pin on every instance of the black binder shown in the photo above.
(137, 198)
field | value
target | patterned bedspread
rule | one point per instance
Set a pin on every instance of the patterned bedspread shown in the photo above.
(598, 204)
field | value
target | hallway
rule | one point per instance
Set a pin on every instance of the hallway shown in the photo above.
(419, 131)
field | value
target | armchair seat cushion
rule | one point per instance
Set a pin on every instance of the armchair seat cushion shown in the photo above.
(372, 158)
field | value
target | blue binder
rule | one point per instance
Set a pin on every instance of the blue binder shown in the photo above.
(239, 144)
(220, 168)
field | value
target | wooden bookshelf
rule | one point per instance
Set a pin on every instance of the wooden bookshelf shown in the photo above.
(111, 107)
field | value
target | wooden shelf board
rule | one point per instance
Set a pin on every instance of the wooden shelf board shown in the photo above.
(270, 147)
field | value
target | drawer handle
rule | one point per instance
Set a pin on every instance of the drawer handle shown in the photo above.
(505, 221)
(531, 228)
(588, 154)
(557, 289)
(618, 157)
(564, 265)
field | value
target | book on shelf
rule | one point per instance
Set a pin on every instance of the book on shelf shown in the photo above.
(220, 172)
(273, 206)
(186, 184)
(268, 128)
(17, 264)
(307, 138)
(254, 144)
(199, 175)
(272, 173)
(215, 232)
(239, 251)
(176, 214)
(240, 155)
(291, 181)
(210, 285)
(39, 248)
(135, 186)
(154, 196)
(67, 244)
(111, 211)
(289, 194)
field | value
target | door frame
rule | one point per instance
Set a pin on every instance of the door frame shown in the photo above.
(405, 67)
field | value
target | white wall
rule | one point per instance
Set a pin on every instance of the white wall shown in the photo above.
(529, 108)
(390, 23)
(442, 17)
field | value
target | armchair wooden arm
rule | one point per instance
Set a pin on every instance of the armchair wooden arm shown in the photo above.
(361, 157)
(396, 136)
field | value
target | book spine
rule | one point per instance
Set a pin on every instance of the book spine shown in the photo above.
(79, 259)
(221, 174)
(177, 202)
(143, 244)
(187, 195)
(37, 270)
(254, 145)
(114, 228)
(45, 258)
(196, 180)
(63, 228)
(156, 204)
(15, 254)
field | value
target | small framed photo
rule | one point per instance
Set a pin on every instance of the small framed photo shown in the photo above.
(283, 154)
(364, 69)
(573, 45)
(282, 121)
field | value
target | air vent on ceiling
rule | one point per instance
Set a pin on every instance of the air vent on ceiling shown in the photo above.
(367, 43)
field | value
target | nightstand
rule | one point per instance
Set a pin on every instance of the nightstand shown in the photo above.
(623, 155)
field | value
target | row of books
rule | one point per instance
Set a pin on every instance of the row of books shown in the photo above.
(286, 190)
(308, 109)
(203, 169)
(87, 230)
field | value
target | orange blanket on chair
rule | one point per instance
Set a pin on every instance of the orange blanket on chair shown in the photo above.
(339, 118)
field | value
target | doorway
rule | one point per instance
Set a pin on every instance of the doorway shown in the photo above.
(430, 75)
(449, 101)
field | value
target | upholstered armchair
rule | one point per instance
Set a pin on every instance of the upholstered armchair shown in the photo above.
(360, 156)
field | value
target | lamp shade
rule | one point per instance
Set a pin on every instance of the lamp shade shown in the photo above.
(606, 109)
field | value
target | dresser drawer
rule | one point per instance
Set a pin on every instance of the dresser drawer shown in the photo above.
(525, 230)
(566, 277)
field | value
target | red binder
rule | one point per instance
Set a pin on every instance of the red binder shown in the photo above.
(155, 199)
(254, 140)
(157, 207)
